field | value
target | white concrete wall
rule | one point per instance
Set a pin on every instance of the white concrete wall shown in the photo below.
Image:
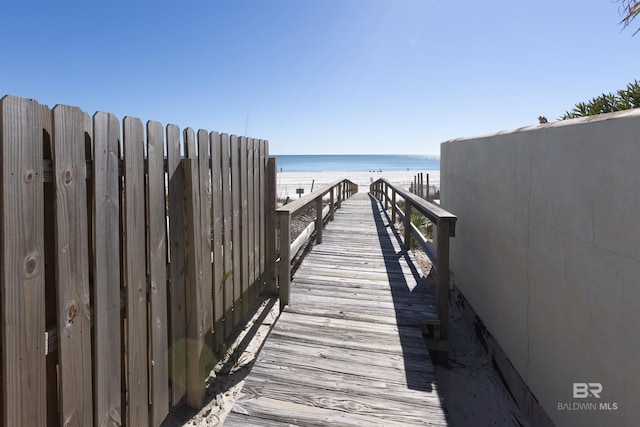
(547, 251)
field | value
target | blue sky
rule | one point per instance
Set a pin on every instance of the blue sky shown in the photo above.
(320, 77)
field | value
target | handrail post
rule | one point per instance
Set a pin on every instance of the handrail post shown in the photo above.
(284, 276)
(339, 201)
(386, 196)
(393, 206)
(319, 219)
(442, 286)
(270, 228)
(407, 224)
(332, 207)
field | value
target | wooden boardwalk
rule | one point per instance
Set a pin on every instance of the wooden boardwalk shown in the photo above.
(348, 350)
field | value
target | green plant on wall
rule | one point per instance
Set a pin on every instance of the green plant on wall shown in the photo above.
(623, 99)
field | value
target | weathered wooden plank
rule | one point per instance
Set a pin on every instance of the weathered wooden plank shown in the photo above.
(250, 222)
(236, 194)
(51, 309)
(22, 293)
(204, 182)
(270, 226)
(106, 267)
(347, 349)
(262, 209)
(135, 274)
(157, 262)
(350, 403)
(244, 229)
(217, 221)
(255, 284)
(196, 326)
(177, 355)
(356, 385)
(72, 240)
(227, 236)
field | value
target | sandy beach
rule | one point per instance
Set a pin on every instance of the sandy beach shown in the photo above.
(288, 182)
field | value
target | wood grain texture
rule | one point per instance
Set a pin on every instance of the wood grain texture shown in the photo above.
(270, 226)
(204, 188)
(157, 261)
(51, 309)
(22, 273)
(177, 353)
(135, 274)
(251, 225)
(236, 194)
(254, 220)
(227, 233)
(244, 230)
(194, 302)
(72, 272)
(262, 206)
(348, 349)
(106, 267)
(217, 221)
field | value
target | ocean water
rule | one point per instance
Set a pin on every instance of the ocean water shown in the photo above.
(357, 163)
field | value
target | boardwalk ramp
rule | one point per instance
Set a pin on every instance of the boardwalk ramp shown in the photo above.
(348, 349)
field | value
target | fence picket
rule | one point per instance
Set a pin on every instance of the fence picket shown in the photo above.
(204, 183)
(51, 310)
(177, 351)
(72, 273)
(251, 277)
(227, 234)
(106, 267)
(157, 261)
(194, 303)
(22, 315)
(235, 228)
(244, 229)
(135, 274)
(217, 245)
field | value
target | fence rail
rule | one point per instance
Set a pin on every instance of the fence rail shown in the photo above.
(338, 191)
(124, 265)
(445, 224)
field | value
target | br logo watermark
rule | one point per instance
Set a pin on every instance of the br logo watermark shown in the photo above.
(584, 390)
(587, 391)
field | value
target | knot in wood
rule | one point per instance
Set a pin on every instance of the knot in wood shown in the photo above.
(71, 313)
(67, 176)
(28, 176)
(30, 266)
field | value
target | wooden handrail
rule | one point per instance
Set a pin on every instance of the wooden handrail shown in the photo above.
(445, 222)
(288, 249)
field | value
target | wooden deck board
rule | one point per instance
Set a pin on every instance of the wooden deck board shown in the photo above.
(348, 349)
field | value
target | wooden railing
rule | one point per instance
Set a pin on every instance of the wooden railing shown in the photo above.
(445, 224)
(124, 262)
(338, 191)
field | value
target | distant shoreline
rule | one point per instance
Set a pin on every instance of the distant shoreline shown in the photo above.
(288, 182)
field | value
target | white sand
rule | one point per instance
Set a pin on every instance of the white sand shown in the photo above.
(288, 182)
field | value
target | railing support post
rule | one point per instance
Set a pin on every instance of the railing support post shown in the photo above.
(284, 275)
(386, 196)
(393, 206)
(407, 224)
(338, 203)
(332, 207)
(442, 286)
(270, 228)
(319, 220)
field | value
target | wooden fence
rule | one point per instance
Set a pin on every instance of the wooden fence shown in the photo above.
(422, 189)
(124, 264)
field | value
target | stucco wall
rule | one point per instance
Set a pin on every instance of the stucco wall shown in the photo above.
(547, 251)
